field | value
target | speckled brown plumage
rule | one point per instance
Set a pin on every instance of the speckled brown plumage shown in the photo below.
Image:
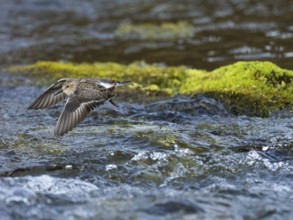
(83, 95)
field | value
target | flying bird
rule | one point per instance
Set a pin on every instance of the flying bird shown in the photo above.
(82, 96)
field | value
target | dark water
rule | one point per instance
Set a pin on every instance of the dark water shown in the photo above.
(224, 31)
(177, 158)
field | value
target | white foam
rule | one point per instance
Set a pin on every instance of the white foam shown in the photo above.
(111, 167)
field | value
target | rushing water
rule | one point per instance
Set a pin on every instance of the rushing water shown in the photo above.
(176, 158)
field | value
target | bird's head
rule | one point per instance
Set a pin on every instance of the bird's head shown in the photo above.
(69, 87)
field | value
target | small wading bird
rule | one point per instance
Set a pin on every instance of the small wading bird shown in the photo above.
(83, 95)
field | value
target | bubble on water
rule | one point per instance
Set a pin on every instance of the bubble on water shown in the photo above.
(111, 167)
(252, 157)
(143, 155)
(176, 147)
(48, 184)
(181, 151)
(68, 167)
(158, 156)
(273, 166)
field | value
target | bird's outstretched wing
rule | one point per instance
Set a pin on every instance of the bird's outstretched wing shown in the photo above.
(73, 113)
(50, 97)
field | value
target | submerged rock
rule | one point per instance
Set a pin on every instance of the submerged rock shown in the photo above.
(164, 31)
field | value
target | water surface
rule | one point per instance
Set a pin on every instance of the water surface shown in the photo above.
(173, 158)
(225, 31)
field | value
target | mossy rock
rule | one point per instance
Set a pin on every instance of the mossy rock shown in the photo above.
(251, 88)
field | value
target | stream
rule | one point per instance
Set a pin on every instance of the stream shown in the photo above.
(184, 157)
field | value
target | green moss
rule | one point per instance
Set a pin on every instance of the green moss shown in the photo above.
(167, 141)
(149, 79)
(252, 88)
(163, 31)
(224, 130)
(33, 147)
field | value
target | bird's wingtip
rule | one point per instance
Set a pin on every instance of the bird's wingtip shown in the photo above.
(58, 133)
(31, 107)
